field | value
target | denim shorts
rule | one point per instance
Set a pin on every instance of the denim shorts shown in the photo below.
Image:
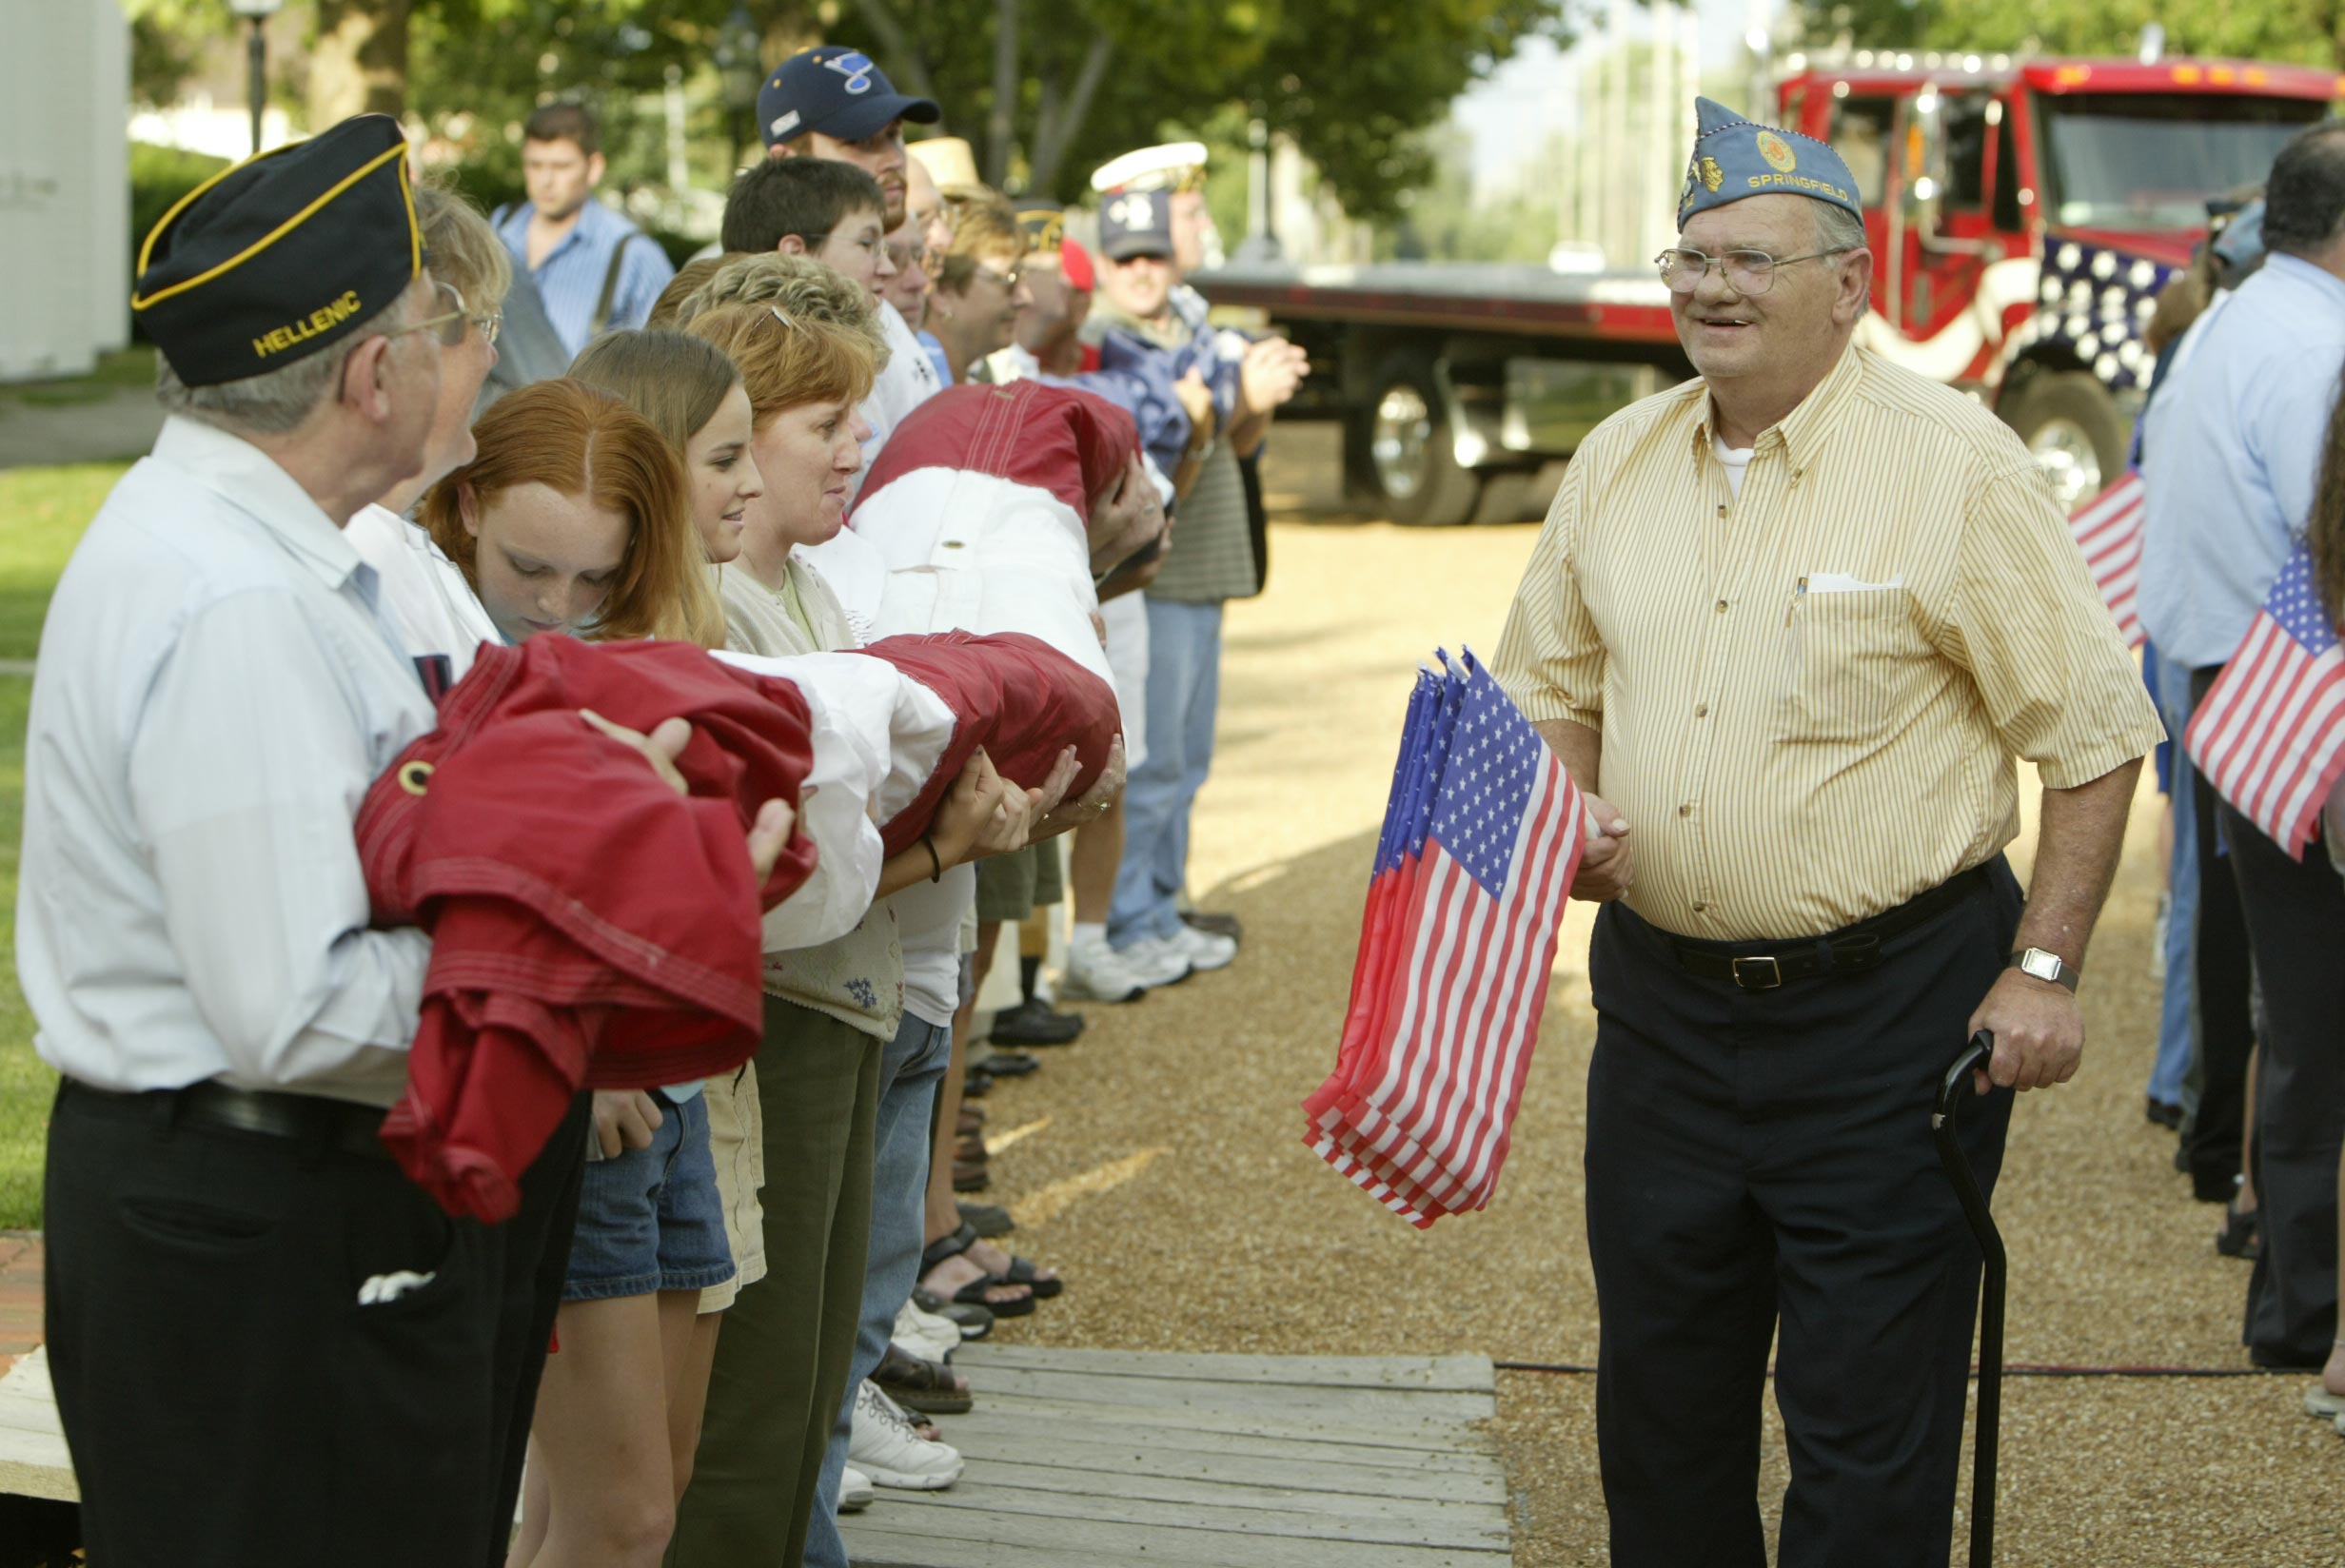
(650, 1219)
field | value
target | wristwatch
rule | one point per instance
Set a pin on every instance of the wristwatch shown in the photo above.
(2040, 965)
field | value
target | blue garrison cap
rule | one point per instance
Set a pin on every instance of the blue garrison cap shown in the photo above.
(1137, 223)
(1733, 159)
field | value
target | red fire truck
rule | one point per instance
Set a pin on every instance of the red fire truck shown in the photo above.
(2024, 216)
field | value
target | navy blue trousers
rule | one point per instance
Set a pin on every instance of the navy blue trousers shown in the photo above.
(1760, 1167)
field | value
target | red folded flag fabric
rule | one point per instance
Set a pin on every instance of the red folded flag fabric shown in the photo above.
(1016, 696)
(1058, 439)
(590, 927)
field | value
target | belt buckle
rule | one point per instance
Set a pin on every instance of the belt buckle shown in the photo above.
(1754, 979)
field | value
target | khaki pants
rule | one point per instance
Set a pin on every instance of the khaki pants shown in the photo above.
(736, 1143)
(783, 1359)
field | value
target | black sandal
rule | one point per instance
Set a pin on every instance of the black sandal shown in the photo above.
(973, 1294)
(1021, 1269)
(2239, 1237)
(921, 1386)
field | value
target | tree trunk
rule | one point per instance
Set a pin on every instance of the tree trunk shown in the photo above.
(1049, 150)
(1001, 123)
(906, 66)
(359, 64)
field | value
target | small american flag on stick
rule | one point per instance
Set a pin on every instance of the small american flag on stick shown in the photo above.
(1482, 838)
(2271, 734)
(2108, 530)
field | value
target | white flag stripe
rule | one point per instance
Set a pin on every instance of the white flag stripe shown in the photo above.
(1466, 1122)
(2306, 786)
(1481, 1171)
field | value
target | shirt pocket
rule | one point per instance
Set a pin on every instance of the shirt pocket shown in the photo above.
(1847, 655)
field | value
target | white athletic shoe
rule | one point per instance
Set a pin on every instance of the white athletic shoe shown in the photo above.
(884, 1448)
(1156, 961)
(1203, 950)
(931, 1338)
(854, 1490)
(1097, 973)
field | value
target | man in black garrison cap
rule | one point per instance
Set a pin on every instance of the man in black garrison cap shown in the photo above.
(269, 1346)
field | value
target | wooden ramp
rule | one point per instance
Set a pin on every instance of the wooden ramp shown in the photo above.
(1098, 1458)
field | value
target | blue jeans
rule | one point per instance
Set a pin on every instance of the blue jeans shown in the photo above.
(909, 1070)
(2177, 1019)
(1184, 694)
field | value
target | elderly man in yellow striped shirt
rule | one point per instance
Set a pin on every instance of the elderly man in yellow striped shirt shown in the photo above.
(1793, 621)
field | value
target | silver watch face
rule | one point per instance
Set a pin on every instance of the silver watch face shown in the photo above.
(2043, 964)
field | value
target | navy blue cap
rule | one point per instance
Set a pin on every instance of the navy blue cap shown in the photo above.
(1734, 158)
(837, 92)
(1137, 223)
(283, 255)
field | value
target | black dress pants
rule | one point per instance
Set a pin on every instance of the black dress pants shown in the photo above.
(2296, 920)
(2221, 981)
(228, 1397)
(1761, 1161)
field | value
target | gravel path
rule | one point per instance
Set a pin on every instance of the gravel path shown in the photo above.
(1159, 1163)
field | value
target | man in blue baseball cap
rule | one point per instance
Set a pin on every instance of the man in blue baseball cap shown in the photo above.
(1799, 616)
(834, 102)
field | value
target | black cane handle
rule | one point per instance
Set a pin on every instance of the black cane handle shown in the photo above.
(1957, 1084)
(1944, 1130)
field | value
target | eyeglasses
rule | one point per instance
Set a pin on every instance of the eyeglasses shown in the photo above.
(1009, 279)
(1746, 272)
(488, 326)
(449, 325)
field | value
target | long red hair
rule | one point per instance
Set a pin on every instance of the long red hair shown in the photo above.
(579, 441)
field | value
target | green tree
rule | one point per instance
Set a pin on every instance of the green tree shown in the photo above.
(2312, 31)
(1045, 93)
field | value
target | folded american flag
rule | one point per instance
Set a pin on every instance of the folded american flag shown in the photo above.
(1482, 837)
(2271, 734)
(2108, 530)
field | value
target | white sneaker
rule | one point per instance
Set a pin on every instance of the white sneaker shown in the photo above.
(1100, 973)
(854, 1490)
(1203, 950)
(925, 1334)
(884, 1448)
(1154, 962)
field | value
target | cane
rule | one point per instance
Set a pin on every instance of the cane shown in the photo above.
(1951, 1093)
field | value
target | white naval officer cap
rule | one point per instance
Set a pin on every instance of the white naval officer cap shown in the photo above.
(1175, 165)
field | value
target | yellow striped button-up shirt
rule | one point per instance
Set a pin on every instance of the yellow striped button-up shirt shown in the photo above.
(1810, 698)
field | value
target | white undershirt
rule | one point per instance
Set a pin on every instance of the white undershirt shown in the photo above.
(1736, 459)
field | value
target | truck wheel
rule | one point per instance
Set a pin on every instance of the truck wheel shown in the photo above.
(1410, 461)
(2073, 429)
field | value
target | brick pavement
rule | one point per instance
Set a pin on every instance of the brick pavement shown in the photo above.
(20, 1294)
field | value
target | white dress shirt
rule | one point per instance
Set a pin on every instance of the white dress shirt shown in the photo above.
(423, 596)
(215, 693)
(905, 381)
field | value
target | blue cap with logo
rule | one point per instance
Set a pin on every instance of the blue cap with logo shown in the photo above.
(1734, 159)
(1137, 223)
(837, 92)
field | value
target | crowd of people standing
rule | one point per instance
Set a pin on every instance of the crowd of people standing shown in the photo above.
(752, 1282)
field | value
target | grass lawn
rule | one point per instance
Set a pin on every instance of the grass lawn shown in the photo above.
(45, 509)
(132, 368)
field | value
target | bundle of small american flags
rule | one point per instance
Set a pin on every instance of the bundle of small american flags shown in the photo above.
(1482, 837)
(2270, 735)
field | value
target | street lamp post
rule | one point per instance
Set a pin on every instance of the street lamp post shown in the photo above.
(257, 12)
(741, 70)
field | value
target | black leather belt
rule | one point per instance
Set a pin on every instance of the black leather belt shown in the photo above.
(1765, 964)
(307, 1118)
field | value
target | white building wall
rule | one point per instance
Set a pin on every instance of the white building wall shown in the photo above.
(65, 186)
